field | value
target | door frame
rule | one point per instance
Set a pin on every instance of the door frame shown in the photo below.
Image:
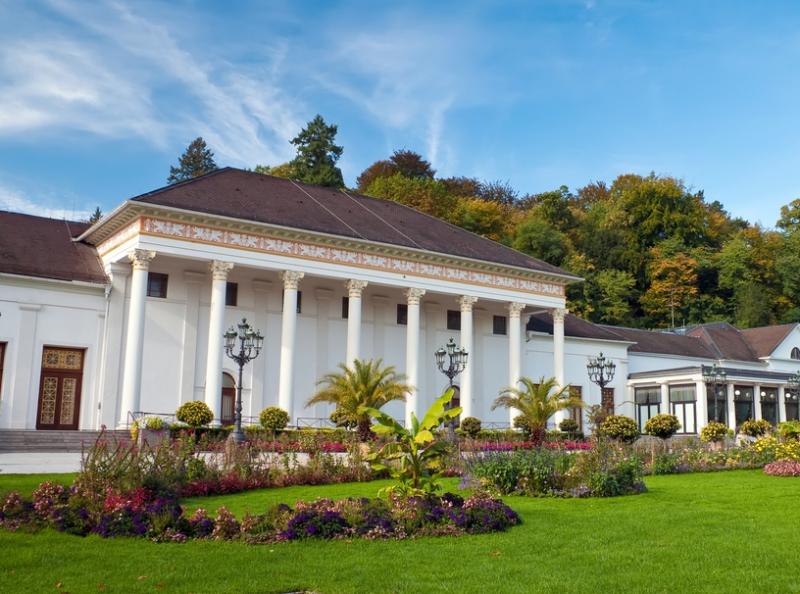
(61, 374)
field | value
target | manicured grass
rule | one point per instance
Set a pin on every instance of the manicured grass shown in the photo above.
(719, 532)
(26, 483)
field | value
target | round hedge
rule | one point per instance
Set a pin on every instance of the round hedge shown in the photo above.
(520, 422)
(471, 426)
(662, 425)
(713, 432)
(755, 428)
(194, 413)
(789, 429)
(568, 426)
(274, 419)
(620, 427)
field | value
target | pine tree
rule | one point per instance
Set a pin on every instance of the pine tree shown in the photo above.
(197, 160)
(317, 155)
(96, 216)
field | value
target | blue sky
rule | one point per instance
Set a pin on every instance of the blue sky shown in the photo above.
(98, 99)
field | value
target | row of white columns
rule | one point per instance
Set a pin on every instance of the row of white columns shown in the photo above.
(140, 260)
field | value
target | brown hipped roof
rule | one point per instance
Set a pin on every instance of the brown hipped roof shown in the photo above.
(763, 341)
(573, 326)
(273, 200)
(663, 343)
(37, 246)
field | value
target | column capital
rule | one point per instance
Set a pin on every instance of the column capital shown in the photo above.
(414, 295)
(559, 314)
(141, 258)
(355, 288)
(291, 279)
(219, 269)
(515, 309)
(466, 302)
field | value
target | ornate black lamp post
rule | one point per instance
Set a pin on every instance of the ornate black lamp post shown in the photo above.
(715, 376)
(793, 396)
(456, 363)
(250, 344)
(601, 372)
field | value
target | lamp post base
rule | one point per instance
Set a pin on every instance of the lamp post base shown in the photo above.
(237, 436)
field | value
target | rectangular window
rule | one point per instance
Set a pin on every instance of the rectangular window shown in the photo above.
(2, 359)
(576, 413)
(499, 325)
(717, 403)
(607, 400)
(345, 307)
(231, 294)
(157, 285)
(402, 314)
(743, 403)
(682, 402)
(792, 401)
(769, 405)
(648, 404)
(453, 319)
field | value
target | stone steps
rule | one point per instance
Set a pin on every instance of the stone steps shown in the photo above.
(28, 440)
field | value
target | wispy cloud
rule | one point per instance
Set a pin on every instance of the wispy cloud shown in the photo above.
(16, 201)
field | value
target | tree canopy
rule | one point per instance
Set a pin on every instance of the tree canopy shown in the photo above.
(196, 160)
(317, 154)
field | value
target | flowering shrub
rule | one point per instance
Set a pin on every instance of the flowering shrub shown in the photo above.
(714, 432)
(783, 468)
(273, 419)
(194, 413)
(789, 429)
(662, 425)
(755, 428)
(155, 424)
(619, 427)
(509, 446)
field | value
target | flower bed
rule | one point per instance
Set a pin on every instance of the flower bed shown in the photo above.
(144, 513)
(783, 468)
(510, 446)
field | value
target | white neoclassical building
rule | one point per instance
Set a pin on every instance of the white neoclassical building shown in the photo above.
(100, 323)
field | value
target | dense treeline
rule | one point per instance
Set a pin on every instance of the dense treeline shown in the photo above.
(653, 252)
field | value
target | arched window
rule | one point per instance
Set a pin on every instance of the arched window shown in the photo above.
(228, 399)
(795, 353)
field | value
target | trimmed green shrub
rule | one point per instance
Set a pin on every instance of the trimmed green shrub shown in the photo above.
(568, 426)
(274, 419)
(755, 428)
(194, 413)
(521, 423)
(662, 425)
(471, 426)
(714, 432)
(154, 424)
(619, 427)
(789, 430)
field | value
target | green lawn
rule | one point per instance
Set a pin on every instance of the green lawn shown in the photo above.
(720, 532)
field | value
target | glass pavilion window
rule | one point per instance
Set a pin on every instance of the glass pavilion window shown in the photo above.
(743, 403)
(648, 404)
(717, 403)
(683, 402)
(792, 399)
(769, 404)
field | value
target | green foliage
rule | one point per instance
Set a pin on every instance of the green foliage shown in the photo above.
(536, 403)
(365, 385)
(568, 425)
(196, 160)
(755, 428)
(619, 427)
(415, 454)
(427, 195)
(155, 424)
(538, 238)
(789, 430)
(273, 419)
(96, 216)
(714, 432)
(317, 154)
(483, 217)
(406, 163)
(662, 425)
(470, 426)
(194, 413)
(285, 170)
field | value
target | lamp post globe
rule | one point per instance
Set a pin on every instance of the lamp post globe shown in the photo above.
(242, 345)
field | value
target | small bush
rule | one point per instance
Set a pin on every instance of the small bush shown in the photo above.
(471, 427)
(663, 426)
(568, 426)
(154, 424)
(714, 432)
(194, 413)
(755, 428)
(521, 423)
(619, 427)
(274, 419)
(789, 430)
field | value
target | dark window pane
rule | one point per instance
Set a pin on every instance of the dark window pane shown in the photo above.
(453, 319)
(607, 400)
(499, 325)
(345, 307)
(402, 314)
(299, 301)
(157, 285)
(231, 294)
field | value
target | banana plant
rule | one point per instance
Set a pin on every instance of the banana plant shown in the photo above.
(414, 457)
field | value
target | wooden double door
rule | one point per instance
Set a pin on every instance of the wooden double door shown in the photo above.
(60, 388)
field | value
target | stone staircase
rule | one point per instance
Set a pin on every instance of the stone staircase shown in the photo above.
(29, 440)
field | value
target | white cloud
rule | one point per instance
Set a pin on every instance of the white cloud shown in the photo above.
(17, 202)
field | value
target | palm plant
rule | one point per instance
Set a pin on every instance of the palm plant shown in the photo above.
(367, 384)
(536, 403)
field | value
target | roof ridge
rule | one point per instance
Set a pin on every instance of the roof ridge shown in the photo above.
(33, 216)
(184, 182)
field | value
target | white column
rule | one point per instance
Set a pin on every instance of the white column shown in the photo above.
(514, 349)
(558, 356)
(781, 404)
(354, 290)
(731, 408)
(665, 399)
(258, 393)
(324, 364)
(191, 321)
(216, 328)
(701, 414)
(757, 402)
(291, 282)
(465, 387)
(109, 392)
(413, 298)
(132, 369)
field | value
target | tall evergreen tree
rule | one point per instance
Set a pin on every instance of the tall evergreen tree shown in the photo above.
(197, 160)
(317, 154)
(96, 216)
